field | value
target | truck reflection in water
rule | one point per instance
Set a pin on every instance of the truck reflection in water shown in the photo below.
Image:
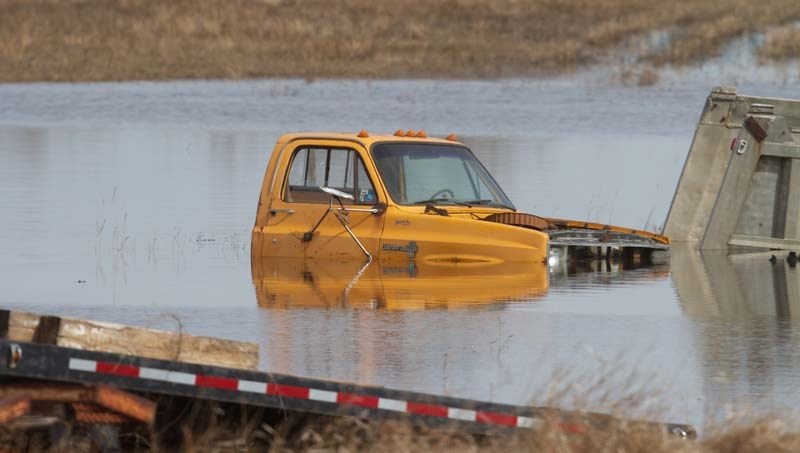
(297, 283)
(736, 287)
(744, 307)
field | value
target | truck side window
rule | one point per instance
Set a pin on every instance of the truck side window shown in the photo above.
(339, 168)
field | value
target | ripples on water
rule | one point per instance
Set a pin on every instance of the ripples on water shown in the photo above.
(147, 191)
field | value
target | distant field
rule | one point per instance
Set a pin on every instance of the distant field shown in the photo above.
(71, 40)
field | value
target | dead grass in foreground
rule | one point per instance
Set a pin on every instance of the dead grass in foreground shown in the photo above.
(71, 40)
(353, 435)
(329, 435)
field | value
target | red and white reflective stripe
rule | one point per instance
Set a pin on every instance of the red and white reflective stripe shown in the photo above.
(303, 393)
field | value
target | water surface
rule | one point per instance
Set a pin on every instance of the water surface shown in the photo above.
(132, 202)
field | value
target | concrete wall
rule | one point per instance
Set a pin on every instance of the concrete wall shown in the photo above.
(740, 185)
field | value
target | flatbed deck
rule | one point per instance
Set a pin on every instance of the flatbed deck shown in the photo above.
(128, 388)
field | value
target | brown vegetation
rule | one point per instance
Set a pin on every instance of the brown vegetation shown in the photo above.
(350, 434)
(783, 42)
(68, 40)
(194, 426)
(354, 435)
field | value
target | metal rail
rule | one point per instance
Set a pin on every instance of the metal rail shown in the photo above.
(285, 393)
(602, 238)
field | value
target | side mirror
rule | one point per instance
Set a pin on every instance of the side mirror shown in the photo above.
(337, 193)
(376, 209)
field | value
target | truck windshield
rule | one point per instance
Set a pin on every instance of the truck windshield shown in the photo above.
(422, 173)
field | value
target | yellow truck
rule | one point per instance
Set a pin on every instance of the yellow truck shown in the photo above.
(409, 199)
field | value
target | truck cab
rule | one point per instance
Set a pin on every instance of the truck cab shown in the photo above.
(404, 198)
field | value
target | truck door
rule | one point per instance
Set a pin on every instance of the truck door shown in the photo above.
(298, 203)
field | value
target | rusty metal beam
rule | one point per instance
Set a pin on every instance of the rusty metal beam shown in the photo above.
(119, 401)
(13, 407)
(125, 403)
(63, 393)
(90, 414)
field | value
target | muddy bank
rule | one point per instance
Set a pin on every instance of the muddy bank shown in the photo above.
(89, 40)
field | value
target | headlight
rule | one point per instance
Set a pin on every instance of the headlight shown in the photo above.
(554, 258)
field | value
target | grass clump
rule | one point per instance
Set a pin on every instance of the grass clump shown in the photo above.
(199, 426)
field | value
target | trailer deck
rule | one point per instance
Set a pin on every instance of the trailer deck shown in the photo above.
(111, 389)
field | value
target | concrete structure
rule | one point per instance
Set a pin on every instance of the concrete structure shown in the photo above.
(740, 185)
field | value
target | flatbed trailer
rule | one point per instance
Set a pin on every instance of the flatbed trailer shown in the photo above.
(108, 389)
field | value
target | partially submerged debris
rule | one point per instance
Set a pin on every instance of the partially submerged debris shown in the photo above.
(740, 186)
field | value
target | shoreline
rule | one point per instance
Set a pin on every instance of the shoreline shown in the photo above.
(141, 40)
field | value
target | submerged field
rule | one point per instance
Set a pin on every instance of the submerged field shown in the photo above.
(151, 190)
(90, 40)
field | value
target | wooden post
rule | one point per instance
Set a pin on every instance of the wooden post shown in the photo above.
(47, 330)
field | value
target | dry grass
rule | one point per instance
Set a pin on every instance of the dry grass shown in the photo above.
(197, 426)
(620, 389)
(785, 41)
(351, 434)
(68, 40)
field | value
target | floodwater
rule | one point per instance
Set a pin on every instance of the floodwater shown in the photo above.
(132, 202)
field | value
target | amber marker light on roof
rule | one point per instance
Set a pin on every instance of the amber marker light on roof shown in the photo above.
(451, 137)
(422, 134)
(410, 133)
(399, 133)
(363, 133)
